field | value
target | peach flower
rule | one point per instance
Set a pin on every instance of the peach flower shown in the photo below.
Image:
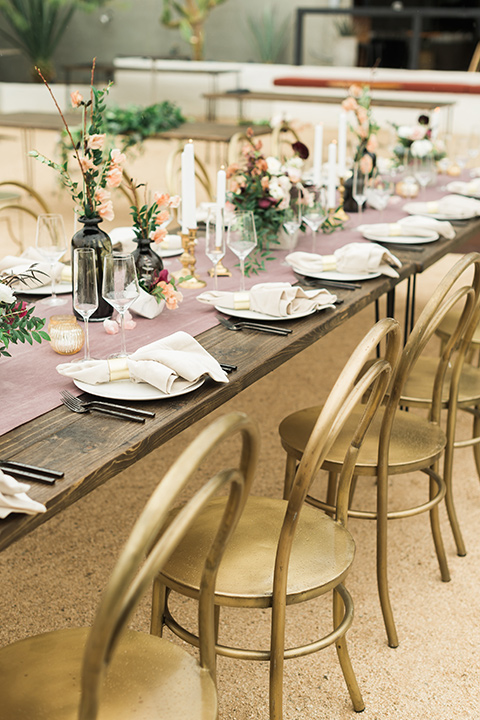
(264, 183)
(86, 164)
(102, 195)
(159, 235)
(76, 98)
(362, 115)
(105, 210)
(161, 198)
(355, 90)
(349, 104)
(114, 176)
(96, 142)
(174, 201)
(117, 156)
(162, 217)
(366, 164)
(372, 143)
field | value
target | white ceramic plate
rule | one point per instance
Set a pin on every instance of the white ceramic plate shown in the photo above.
(419, 208)
(335, 275)
(402, 239)
(253, 315)
(128, 390)
(60, 289)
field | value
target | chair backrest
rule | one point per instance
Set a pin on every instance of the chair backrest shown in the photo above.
(20, 205)
(153, 539)
(283, 136)
(348, 392)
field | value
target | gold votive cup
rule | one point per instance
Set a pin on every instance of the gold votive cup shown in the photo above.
(66, 335)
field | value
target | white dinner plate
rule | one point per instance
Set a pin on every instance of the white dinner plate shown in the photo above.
(60, 289)
(420, 208)
(128, 390)
(432, 236)
(335, 275)
(253, 315)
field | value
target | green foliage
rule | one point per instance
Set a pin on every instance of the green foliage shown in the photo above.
(136, 123)
(188, 18)
(36, 27)
(17, 322)
(269, 39)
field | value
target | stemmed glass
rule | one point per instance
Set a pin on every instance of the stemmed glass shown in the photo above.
(85, 291)
(314, 210)
(215, 239)
(242, 239)
(423, 169)
(51, 242)
(359, 189)
(120, 287)
(293, 215)
(379, 191)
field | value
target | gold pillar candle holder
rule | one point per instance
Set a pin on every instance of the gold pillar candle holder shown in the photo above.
(340, 215)
(186, 277)
(222, 271)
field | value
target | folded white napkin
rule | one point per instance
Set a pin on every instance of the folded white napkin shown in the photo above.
(146, 305)
(165, 364)
(382, 230)
(14, 498)
(275, 299)
(125, 236)
(450, 205)
(471, 188)
(15, 265)
(351, 258)
(170, 242)
(443, 227)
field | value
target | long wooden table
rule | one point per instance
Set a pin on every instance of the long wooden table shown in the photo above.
(89, 456)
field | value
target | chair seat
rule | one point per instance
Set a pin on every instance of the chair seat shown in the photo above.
(418, 388)
(448, 325)
(415, 442)
(148, 679)
(242, 580)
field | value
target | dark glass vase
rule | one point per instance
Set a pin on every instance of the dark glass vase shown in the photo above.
(91, 236)
(147, 262)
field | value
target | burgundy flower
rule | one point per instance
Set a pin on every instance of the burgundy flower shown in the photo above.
(265, 203)
(423, 120)
(300, 149)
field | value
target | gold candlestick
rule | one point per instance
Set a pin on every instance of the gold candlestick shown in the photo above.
(340, 215)
(222, 271)
(188, 278)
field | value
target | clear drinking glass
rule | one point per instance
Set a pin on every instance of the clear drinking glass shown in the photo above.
(85, 291)
(215, 239)
(51, 242)
(359, 189)
(379, 190)
(120, 287)
(242, 238)
(293, 215)
(424, 171)
(314, 211)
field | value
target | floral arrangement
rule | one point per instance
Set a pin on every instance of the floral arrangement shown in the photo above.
(100, 166)
(364, 126)
(420, 140)
(163, 288)
(149, 220)
(263, 185)
(17, 322)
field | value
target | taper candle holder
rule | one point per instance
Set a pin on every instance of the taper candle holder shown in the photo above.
(186, 277)
(340, 213)
(222, 271)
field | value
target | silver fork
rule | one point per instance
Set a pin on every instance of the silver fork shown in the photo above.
(108, 405)
(76, 405)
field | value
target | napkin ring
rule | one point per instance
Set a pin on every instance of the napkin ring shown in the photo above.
(241, 301)
(394, 230)
(118, 369)
(329, 262)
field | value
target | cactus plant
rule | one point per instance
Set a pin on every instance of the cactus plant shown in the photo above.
(189, 18)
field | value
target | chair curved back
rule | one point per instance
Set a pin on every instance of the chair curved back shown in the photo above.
(23, 201)
(283, 135)
(347, 393)
(152, 541)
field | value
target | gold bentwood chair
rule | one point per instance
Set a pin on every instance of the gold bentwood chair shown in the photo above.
(20, 205)
(398, 441)
(286, 553)
(108, 672)
(283, 137)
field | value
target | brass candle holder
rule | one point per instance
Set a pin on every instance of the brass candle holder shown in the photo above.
(222, 271)
(340, 215)
(186, 276)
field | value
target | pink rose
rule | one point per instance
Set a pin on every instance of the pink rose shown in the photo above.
(117, 156)
(96, 142)
(114, 176)
(105, 210)
(76, 98)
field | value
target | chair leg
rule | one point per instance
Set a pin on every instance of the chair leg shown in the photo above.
(332, 491)
(449, 502)
(476, 433)
(344, 657)
(159, 601)
(290, 470)
(382, 575)
(437, 537)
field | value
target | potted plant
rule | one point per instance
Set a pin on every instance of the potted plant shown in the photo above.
(346, 44)
(189, 18)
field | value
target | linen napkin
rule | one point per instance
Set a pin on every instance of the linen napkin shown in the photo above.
(146, 305)
(125, 236)
(455, 206)
(275, 299)
(382, 230)
(471, 188)
(351, 258)
(166, 364)
(443, 227)
(14, 498)
(14, 265)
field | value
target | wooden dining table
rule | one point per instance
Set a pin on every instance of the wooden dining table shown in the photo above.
(91, 449)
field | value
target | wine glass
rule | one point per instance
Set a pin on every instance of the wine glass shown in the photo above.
(423, 170)
(85, 290)
(359, 188)
(215, 239)
(314, 210)
(379, 190)
(293, 216)
(242, 239)
(120, 287)
(51, 242)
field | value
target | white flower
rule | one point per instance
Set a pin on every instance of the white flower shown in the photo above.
(275, 190)
(294, 174)
(421, 148)
(404, 131)
(294, 162)
(274, 165)
(6, 294)
(284, 183)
